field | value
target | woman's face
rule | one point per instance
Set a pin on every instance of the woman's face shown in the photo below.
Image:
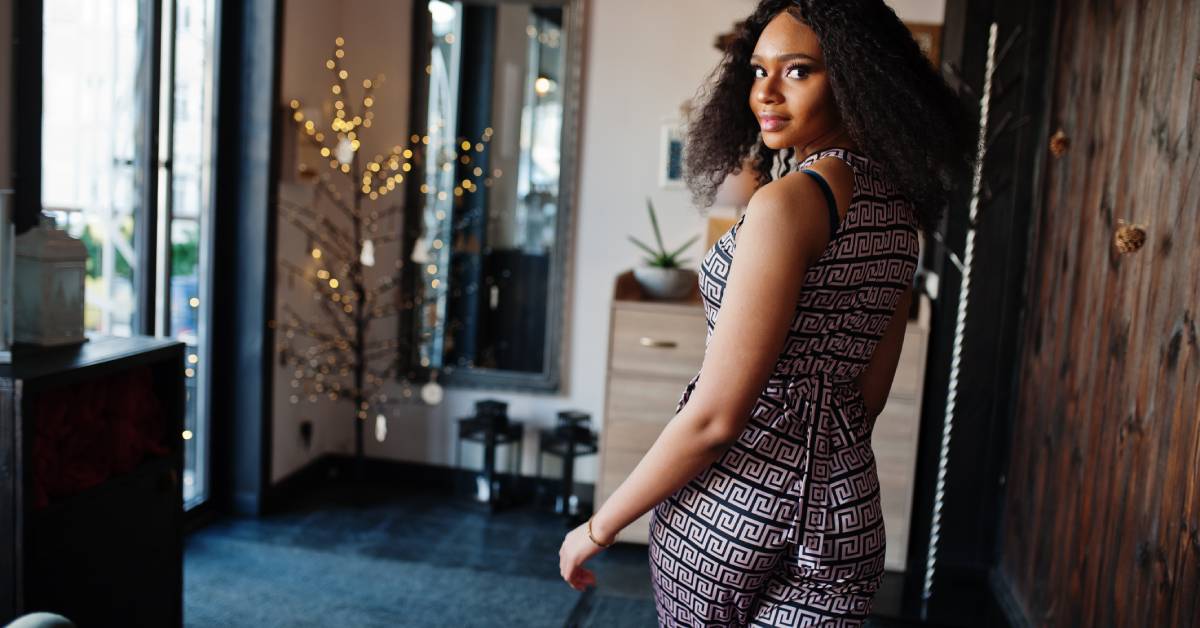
(791, 96)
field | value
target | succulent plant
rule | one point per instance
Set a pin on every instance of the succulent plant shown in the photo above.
(661, 258)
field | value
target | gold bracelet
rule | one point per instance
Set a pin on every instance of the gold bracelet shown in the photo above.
(594, 538)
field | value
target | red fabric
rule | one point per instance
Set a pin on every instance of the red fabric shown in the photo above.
(91, 431)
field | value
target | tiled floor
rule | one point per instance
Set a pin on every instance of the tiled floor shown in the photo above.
(348, 555)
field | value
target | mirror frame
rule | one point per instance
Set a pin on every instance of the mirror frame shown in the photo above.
(549, 380)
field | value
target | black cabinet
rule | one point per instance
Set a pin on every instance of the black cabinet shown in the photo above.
(91, 503)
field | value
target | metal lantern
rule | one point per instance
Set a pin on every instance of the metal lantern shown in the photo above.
(50, 267)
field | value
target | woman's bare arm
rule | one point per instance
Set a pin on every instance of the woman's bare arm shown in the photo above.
(785, 229)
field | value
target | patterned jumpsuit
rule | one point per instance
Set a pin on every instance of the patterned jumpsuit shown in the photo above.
(786, 528)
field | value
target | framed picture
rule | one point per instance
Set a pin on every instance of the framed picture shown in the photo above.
(670, 165)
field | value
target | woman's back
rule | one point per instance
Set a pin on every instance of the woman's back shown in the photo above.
(851, 291)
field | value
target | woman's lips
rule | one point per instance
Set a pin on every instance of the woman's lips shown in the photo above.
(772, 122)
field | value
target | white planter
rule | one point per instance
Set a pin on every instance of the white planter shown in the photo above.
(665, 283)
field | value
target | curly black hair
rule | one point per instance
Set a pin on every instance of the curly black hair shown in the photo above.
(893, 103)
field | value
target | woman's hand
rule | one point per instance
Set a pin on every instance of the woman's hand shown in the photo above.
(576, 549)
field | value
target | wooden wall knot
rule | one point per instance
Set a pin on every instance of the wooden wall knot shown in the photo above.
(1059, 143)
(1128, 426)
(1128, 238)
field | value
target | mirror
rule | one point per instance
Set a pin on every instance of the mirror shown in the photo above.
(488, 247)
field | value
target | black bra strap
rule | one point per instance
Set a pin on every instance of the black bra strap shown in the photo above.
(833, 213)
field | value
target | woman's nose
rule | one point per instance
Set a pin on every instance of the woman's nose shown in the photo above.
(766, 91)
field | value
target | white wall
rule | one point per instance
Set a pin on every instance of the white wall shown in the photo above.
(920, 11)
(642, 60)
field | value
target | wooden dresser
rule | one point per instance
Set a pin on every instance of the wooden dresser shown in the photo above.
(656, 347)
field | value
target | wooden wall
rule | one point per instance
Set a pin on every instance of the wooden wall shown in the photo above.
(1102, 514)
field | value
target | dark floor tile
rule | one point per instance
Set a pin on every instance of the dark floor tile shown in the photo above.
(346, 554)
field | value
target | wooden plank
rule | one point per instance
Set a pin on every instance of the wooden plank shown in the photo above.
(1103, 500)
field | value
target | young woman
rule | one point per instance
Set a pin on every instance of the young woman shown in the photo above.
(763, 486)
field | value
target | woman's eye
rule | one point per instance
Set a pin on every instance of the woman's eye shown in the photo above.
(795, 71)
(798, 71)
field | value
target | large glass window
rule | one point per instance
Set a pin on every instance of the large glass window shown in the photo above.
(99, 59)
(92, 116)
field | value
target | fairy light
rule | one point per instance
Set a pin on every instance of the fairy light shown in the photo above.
(335, 348)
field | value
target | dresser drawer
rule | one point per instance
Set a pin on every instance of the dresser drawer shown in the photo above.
(657, 343)
(630, 436)
(639, 530)
(647, 399)
(638, 410)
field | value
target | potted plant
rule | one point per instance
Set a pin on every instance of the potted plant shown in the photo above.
(662, 277)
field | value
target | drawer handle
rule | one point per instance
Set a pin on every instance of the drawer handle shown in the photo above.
(647, 341)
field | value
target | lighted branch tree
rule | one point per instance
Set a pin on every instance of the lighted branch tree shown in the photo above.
(337, 360)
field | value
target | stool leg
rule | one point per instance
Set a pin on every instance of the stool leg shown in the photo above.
(489, 467)
(568, 478)
(520, 459)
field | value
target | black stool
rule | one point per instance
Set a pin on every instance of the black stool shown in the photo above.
(491, 427)
(568, 440)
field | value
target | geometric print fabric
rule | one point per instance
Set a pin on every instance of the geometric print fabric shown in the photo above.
(786, 527)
